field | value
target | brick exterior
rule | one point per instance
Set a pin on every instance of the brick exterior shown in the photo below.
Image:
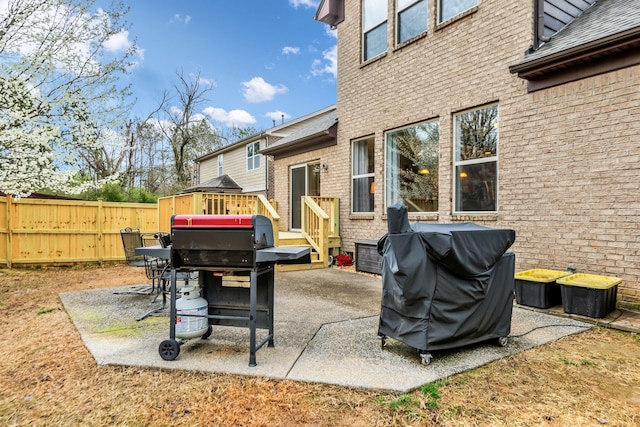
(569, 156)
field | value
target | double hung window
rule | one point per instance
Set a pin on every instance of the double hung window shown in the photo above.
(411, 19)
(253, 156)
(374, 28)
(411, 172)
(363, 182)
(450, 8)
(476, 160)
(220, 165)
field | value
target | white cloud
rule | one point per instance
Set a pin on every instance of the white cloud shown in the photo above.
(290, 50)
(180, 19)
(233, 118)
(203, 80)
(305, 3)
(277, 116)
(118, 42)
(257, 90)
(329, 63)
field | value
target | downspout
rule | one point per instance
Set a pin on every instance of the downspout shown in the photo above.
(538, 24)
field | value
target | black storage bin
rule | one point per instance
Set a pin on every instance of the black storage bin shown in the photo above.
(367, 257)
(538, 288)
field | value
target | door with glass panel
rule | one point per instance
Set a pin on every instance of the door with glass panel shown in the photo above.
(304, 180)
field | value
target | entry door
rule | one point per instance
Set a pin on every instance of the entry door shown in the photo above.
(304, 181)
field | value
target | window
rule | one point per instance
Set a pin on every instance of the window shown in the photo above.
(374, 28)
(411, 173)
(220, 165)
(363, 183)
(253, 156)
(412, 18)
(476, 160)
(450, 8)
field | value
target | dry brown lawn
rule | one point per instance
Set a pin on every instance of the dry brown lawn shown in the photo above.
(48, 377)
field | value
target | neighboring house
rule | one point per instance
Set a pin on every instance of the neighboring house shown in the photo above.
(244, 163)
(238, 163)
(523, 115)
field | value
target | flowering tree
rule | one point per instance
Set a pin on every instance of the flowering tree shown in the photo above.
(60, 61)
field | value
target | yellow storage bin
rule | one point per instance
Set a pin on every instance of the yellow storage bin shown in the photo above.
(588, 294)
(538, 288)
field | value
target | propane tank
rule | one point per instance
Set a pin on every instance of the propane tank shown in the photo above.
(191, 303)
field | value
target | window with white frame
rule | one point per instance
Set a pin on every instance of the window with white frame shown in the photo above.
(363, 181)
(374, 28)
(220, 165)
(411, 166)
(476, 160)
(450, 8)
(411, 19)
(253, 156)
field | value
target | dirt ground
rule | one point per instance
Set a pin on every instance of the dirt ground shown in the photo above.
(48, 377)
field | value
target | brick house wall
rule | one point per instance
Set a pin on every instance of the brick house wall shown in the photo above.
(568, 156)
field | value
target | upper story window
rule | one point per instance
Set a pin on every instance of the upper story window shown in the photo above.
(363, 177)
(253, 156)
(411, 19)
(220, 165)
(476, 160)
(450, 8)
(374, 28)
(411, 167)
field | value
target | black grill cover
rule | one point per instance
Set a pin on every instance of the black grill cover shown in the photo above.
(445, 285)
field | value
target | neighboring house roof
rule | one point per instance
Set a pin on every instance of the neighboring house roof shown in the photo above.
(221, 184)
(231, 146)
(318, 133)
(604, 38)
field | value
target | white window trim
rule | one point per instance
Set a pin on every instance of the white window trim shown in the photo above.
(426, 214)
(456, 163)
(257, 153)
(366, 175)
(397, 21)
(364, 31)
(439, 9)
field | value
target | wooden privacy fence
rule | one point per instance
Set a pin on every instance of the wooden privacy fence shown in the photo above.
(45, 231)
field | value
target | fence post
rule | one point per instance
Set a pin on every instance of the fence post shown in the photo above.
(9, 229)
(100, 242)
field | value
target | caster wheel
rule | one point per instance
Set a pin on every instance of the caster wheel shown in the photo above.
(425, 358)
(503, 341)
(169, 349)
(383, 340)
(208, 333)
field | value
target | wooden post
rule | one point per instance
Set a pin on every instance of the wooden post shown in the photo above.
(100, 240)
(9, 234)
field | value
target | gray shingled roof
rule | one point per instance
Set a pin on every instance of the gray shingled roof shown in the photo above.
(223, 183)
(605, 18)
(315, 127)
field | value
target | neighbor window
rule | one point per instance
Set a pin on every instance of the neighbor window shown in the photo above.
(363, 182)
(220, 165)
(412, 18)
(253, 158)
(450, 8)
(476, 160)
(411, 173)
(374, 28)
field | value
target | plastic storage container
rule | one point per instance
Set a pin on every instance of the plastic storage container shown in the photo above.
(589, 295)
(538, 288)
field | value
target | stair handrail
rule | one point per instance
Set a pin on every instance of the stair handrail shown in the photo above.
(315, 227)
(264, 207)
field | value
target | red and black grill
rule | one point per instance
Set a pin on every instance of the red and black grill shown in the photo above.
(232, 241)
(234, 256)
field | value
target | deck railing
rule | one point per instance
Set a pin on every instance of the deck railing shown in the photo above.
(216, 204)
(319, 223)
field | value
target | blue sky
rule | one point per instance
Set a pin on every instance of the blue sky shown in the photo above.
(266, 58)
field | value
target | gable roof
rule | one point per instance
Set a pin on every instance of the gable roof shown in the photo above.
(318, 133)
(220, 184)
(604, 38)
